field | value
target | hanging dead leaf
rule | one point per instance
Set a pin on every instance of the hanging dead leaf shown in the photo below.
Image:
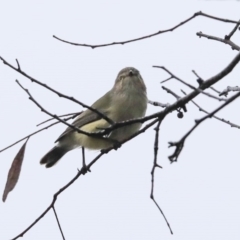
(14, 172)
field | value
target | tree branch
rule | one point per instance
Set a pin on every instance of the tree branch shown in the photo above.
(55, 91)
(173, 76)
(59, 225)
(180, 144)
(150, 35)
(220, 119)
(52, 115)
(155, 165)
(226, 41)
(73, 115)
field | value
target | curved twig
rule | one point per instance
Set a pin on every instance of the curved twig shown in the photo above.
(150, 35)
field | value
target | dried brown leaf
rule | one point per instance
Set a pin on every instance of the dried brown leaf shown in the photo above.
(14, 172)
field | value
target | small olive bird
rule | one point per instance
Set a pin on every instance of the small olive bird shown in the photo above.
(126, 100)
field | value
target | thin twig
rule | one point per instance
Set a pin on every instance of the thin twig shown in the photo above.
(201, 81)
(176, 96)
(19, 68)
(195, 73)
(155, 165)
(64, 115)
(150, 35)
(171, 92)
(173, 76)
(220, 119)
(226, 41)
(227, 37)
(59, 225)
(166, 80)
(40, 130)
(215, 90)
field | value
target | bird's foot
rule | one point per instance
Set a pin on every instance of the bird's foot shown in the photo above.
(84, 169)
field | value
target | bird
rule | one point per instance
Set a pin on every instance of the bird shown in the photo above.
(125, 101)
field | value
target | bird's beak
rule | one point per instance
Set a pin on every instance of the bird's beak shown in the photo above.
(131, 73)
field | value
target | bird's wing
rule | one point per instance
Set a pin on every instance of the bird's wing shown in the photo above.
(90, 116)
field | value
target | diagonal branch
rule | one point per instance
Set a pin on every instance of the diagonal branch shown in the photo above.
(173, 76)
(171, 92)
(31, 134)
(50, 114)
(233, 31)
(220, 119)
(73, 115)
(59, 225)
(55, 91)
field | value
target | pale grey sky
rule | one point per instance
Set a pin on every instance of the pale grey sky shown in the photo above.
(199, 194)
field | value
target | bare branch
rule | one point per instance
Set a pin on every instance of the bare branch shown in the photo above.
(59, 225)
(226, 41)
(73, 115)
(150, 35)
(217, 18)
(28, 136)
(180, 144)
(173, 76)
(227, 37)
(215, 90)
(180, 114)
(50, 114)
(171, 92)
(166, 79)
(56, 92)
(19, 68)
(195, 73)
(220, 119)
(155, 164)
(200, 81)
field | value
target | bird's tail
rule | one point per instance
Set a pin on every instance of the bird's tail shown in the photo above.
(53, 156)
